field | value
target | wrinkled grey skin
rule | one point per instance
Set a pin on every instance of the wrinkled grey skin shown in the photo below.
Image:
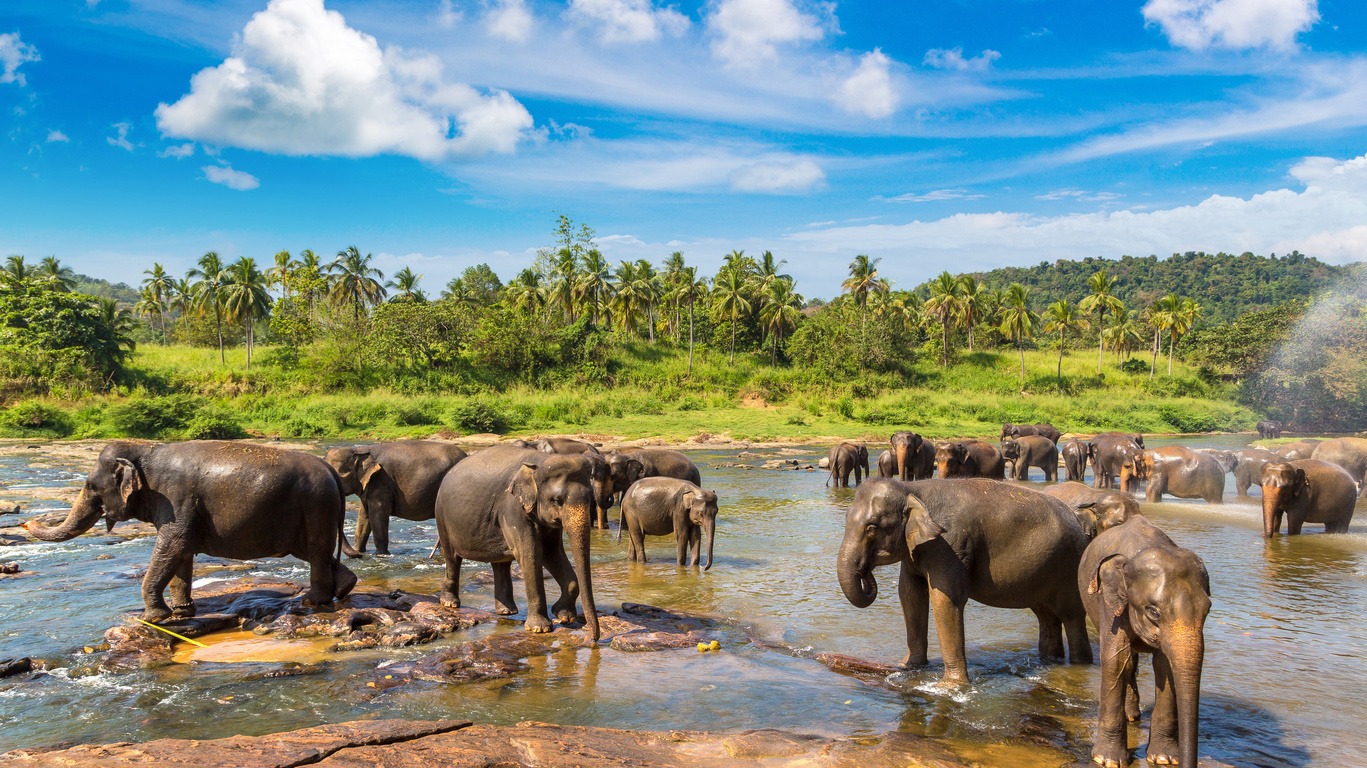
(952, 547)
(1179, 471)
(1022, 453)
(1043, 429)
(1145, 594)
(1248, 468)
(217, 498)
(563, 445)
(1269, 429)
(1301, 449)
(908, 457)
(659, 506)
(1117, 455)
(1307, 491)
(506, 503)
(1096, 510)
(1075, 455)
(969, 458)
(398, 479)
(847, 458)
(1347, 452)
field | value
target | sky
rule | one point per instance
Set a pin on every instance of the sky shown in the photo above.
(956, 135)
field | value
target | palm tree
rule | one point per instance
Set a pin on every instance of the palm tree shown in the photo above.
(158, 287)
(1175, 315)
(209, 292)
(862, 280)
(16, 271)
(975, 304)
(181, 299)
(1101, 301)
(673, 281)
(120, 324)
(1124, 335)
(625, 299)
(592, 287)
(245, 298)
(729, 292)
(780, 312)
(648, 291)
(1018, 321)
(691, 288)
(59, 278)
(944, 306)
(309, 273)
(150, 305)
(1060, 317)
(405, 283)
(355, 282)
(526, 292)
(279, 273)
(564, 277)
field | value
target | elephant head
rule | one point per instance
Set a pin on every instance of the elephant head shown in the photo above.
(905, 447)
(111, 490)
(702, 512)
(1011, 449)
(1106, 512)
(355, 466)
(1282, 484)
(950, 457)
(1007, 428)
(861, 456)
(623, 471)
(557, 493)
(1163, 593)
(883, 526)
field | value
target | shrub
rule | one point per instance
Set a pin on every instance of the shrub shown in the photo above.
(1134, 365)
(415, 415)
(478, 416)
(152, 417)
(33, 419)
(303, 426)
(215, 423)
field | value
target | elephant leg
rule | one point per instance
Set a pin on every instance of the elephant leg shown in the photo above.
(1132, 711)
(1293, 524)
(163, 566)
(1050, 636)
(681, 544)
(504, 602)
(695, 542)
(362, 526)
(379, 505)
(527, 552)
(1051, 472)
(1111, 747)
(1154, 493)
(949, 624)
(1163, 722)
(182, 607)
(450, 584)
(322, 583)
(914, 592)
(1079, 645)
(638, 541)
(553, 550)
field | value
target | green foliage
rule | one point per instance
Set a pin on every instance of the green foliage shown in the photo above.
(416, 335)
(62, 338)
(1134, 365)
(478, 416)
(214, 423)
(1243, 346)
(153, 417)
(34, 419)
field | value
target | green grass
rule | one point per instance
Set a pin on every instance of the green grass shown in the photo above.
(179, 390)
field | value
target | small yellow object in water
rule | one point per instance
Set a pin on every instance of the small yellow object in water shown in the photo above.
(88, 649)
(702, 647)
(389, 677)
(370, 685)
(173, 634)
(714, 645)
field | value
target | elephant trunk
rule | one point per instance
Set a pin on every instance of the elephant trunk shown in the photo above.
(83, 516)
(710, 527)
(855, 571)
(579, 545)
(1272, 501)
(1186, 659)
(901, 451)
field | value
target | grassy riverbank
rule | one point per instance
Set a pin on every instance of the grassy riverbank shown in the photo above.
(185, 392)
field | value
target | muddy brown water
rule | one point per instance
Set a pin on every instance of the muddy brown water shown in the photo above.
(1286, 670)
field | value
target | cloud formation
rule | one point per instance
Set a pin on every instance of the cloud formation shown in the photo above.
(953, 58)
(869, 91)
(627, 21)
(778, 176)
(748, 32)
(302, 82)
(230, 178)
(933, 196)
(1201, 24)
(509, 20)
(14, 53)
(121, 139)
(55, 135)
(178, 151)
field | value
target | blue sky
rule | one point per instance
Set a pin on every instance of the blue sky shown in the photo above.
(436, 134)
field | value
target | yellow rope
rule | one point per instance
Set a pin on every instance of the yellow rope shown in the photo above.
(173, 634)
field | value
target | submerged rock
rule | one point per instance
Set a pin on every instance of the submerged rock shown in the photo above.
(12, 667)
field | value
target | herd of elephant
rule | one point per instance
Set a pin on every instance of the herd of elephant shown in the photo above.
(1067, 553)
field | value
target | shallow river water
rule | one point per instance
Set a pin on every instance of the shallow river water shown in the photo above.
(1285, 676)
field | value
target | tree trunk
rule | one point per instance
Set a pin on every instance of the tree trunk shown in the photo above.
(1172, 341)
(1100, 339)
(734, 319)
(1157, 344)
(1060, 355)
(1021, 349)
(650, 319)
(690, 337)
(944, 351)
(249, 343)
(218, 323)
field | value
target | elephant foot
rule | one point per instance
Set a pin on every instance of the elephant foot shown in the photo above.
(449, 599)
(566, 616)
(156, 614)
(1111, 757)
(1162, 751)
(505, 609)
(183, 611)
(1132, 712)
(538, 624)
(343, 581)
(908, 662)
(317, 597)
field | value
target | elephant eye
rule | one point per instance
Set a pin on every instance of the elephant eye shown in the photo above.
(1152, 613)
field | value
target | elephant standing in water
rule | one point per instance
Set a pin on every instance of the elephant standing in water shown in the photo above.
(1022, 453)
(1184, 473)
(1269, 429)
(1248, 468)
(399, 478)
(1116, 454)
(1075, 455)
(626, 467)
(659, 506)
(1145, 594)
(1347, 452)
(1307, 491)
(847, 458)
(507, 503)
(911, 457)
(1301, 449)
(1096, 510)
(217, 498)
(1002, 545)
(969, 458)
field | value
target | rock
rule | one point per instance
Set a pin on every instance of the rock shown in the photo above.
(10, 567)
(12, 667)
(849, 665)
(792, 464)
(496, 656)
(824, 462)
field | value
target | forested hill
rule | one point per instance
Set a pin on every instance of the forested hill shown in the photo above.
(94, 286)
(1226, 286)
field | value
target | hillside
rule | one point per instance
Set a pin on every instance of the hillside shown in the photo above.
(94, 286)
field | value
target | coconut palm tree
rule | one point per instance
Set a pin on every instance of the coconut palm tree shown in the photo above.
(245, 299)
(310, 275)
(209, 293)
(1176, 315)
(673, 281)
(780, 313)
(1060, 317)
(692, 288)
(729, 297)
(527, 293)
(564, 278)
(648, 291)
(593, 286)
(181, 300)
(355, 282)
(58, 278)
(16, 270)
(278, 276)
(119, 321)
(156, 287)
(975, 304)
(945, 306)
(405, 285)
(1018, 320)
(1101, 300)
(1124, 335)
(863, 279)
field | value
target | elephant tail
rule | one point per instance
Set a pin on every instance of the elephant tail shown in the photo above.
(621, 517)
(343, 546)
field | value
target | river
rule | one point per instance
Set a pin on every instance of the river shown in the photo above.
(1285, 675)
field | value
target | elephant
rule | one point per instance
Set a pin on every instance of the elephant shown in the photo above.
(1184, 473)
(399, 478)
(969, 458)
(1301, 449)
(658, 506)
(625, 468)
(1307, 491)
(1137, 438)
(920, 463)
(217, 498)
(1075, 453)
(1226, 459)
(1248, 468)
(564, 445)
(1001, 545)
(1022, 453)
(1145, 594)
(506, 503)
(1347, 452)
(1113, 455)
(1043, 429)
(846, 458)
(1269, 429)
(1096, 510)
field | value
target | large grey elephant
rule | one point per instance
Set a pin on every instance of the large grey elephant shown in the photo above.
(392, 479)
(1096, 510)
(1269, 429)
(1301, 449)
(1043, 429)
(659, 506)
(1001, 545)
(1075, 456)
(1347, 452)
(217, 498)
(920, 461)
(564, 445)
(1145, 594)
(1179, 471)
(1022, 453)
(1117, 455)
(507, 503)
(969, 458)
(845, 459)
(1248, 468)
(1307, 491)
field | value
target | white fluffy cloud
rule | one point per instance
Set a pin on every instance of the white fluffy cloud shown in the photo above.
(178, 151)
(302, 82)
(953, 58)
(747, 32)
(230, 178)
(14, 53)
(627, 21)
(1200, 24)
(56, 135)
(869, 91)
(509, 20)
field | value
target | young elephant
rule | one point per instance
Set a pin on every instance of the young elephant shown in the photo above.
(218, 498)
(1145, 594)
(1248, 468)
(1096, 510)
(626, 468)
(1347, 452)
(392, 479)
(1307, 491)
(1184, 473)
(658, 506)
(969, 458)
(847, 458)
(1022, 453)
(1075, 454)
(1001, 545)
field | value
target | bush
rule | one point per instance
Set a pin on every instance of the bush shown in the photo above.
(303, 426)
(478, 416)
(153, 417)
(34, 419)
(215, 424)
(415, 415)
(1134, 365)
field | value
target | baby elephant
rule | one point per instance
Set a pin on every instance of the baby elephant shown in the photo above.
(658, 506)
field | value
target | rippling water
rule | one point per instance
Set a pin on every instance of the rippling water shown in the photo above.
(1285, 674)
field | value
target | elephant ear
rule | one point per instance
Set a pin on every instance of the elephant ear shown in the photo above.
(523, 487)
(368, 468)
(130, 479)
(1086, 515)
(1302, 483)
(635, 470)
(920, 527)
(1110, 580)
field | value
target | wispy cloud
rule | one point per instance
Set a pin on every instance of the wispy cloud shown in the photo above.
(230, 178)
(178, 151)
(55, 135)
(14, 53)
(935, 195)
(1079, 194)
(953, 58)
(120, 139)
